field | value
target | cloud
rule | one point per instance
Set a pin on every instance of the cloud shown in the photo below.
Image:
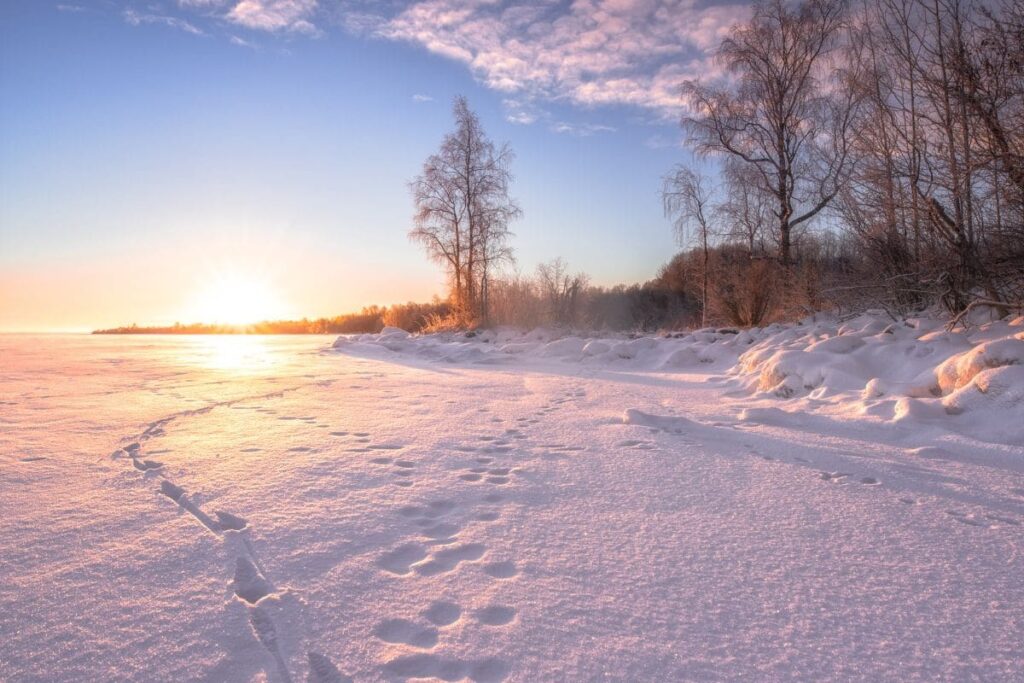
(581, 130)
(522, 112)
(242, 42)
(71, 8)
(589, 52)
(201, 4)
(136, 19)
(535, 52)
(422, 98)
(275, 15)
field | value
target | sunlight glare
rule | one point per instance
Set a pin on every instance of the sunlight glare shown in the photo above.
(232, 298)
(235, 352)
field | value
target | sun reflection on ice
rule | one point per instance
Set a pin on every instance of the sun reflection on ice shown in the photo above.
(235, 352)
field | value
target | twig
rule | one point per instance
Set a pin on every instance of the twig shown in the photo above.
(959, 318)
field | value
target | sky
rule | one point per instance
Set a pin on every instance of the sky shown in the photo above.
(149, 150)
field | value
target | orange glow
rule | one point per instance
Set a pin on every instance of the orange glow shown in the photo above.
(232, 298)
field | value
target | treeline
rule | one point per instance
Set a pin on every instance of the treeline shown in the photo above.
(852, 155)
(413, 317)
(887, 136)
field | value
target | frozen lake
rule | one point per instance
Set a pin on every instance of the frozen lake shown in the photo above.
(265, 508)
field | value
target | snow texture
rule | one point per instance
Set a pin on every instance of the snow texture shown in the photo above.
(835, 500)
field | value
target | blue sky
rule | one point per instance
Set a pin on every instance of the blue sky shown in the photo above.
(146, 146)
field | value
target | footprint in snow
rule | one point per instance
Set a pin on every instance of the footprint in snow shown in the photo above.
(404, 632)
(230, 522)
(449, 559)
(248, 583)
(400, 560)
(322, 670)
(489, 670)
(501, 570)
(496, 615)
(442, 613)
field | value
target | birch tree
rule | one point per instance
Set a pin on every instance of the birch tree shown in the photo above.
(463, 210)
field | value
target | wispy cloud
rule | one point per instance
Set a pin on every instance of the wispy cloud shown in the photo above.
(242, 42)
(275, 15)
(535, 52)
(137, 18)
(590, 52)
(522, 112)
(422, 98)
(71, 8)
(580, 129)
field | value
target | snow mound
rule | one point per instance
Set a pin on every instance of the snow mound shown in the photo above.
(907, 372)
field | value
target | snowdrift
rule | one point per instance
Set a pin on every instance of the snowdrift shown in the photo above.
(913, 370)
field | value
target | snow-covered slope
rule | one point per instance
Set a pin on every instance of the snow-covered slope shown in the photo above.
(911, 372)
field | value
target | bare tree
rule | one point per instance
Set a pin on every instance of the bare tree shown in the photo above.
(936, 199)
(745, 211)
(463, 210)
(561, 291)
(687, 199)
(777, 114)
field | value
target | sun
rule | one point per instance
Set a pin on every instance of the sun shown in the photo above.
(232, 298)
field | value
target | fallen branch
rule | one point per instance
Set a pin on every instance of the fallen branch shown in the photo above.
(959, 318)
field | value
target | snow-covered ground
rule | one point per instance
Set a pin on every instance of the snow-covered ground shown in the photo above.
(823, 501)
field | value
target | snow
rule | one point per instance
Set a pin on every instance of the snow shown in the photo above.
(829, 500)
(900, 372)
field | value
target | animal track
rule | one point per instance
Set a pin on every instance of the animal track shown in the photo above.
(401, 631)
(496, 615)
(400, 560)
(501, 570)
(443, 613)
(433, 666)
(248, 583)
(146, 465)
(449, 559)
(230, 522)
(266, 633)
(322, 670)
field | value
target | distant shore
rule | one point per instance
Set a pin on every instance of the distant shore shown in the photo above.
(321, 326)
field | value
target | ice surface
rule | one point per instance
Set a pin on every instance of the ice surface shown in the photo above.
(812, 502)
